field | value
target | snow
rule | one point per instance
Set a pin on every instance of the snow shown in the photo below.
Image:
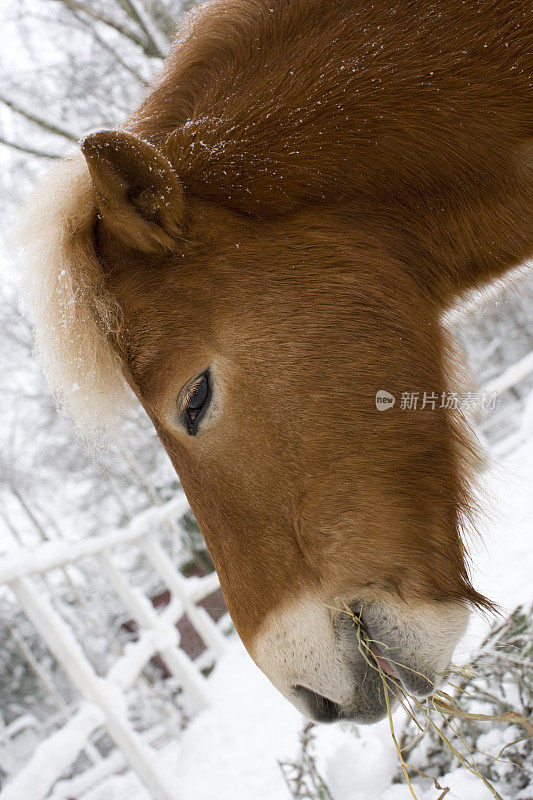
(231, 750)
(255, 726)
(503, 557)
(356, 767)
(54, 755)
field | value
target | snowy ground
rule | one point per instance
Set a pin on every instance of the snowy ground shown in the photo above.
(232, 750)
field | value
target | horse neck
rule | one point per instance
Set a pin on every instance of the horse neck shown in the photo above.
(457, 239)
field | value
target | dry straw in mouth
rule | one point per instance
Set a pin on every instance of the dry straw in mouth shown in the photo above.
(441, 703)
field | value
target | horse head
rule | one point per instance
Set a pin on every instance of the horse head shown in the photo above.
(257, 347)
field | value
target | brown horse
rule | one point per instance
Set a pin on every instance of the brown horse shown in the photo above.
(269, 241)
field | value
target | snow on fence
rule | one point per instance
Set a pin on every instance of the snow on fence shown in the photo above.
(512, 375)
(509, 379)
(105, 704)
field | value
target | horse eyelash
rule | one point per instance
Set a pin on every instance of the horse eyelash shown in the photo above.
(190, 391)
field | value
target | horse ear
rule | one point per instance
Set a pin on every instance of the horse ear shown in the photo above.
(139, 196)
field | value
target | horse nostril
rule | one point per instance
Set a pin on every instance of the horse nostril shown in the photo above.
(319, 708)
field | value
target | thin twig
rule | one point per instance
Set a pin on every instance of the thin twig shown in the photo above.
(32, 151)
(47, 125)
(111, 22)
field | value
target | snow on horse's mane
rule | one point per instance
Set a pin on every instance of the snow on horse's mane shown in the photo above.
(73, 317)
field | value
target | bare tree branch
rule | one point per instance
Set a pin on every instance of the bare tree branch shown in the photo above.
(111, 50)
(135, 73)
(77, 21)
(100, 16)
(25, 149)
(51, 127)
(149, 25)
(166, 21)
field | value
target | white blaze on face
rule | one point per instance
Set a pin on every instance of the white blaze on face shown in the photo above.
(300, 645)
(297, 646)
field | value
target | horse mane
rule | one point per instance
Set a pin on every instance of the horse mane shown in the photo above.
(73, 316)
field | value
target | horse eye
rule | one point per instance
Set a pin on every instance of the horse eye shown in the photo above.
(196, 402)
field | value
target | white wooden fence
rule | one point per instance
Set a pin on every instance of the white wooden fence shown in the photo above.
(509, 379)
(104, 699)
(105, 704)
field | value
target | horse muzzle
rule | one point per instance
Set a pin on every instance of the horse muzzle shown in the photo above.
(353, 662)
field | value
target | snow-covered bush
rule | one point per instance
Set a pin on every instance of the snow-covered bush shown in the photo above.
(496, 734)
